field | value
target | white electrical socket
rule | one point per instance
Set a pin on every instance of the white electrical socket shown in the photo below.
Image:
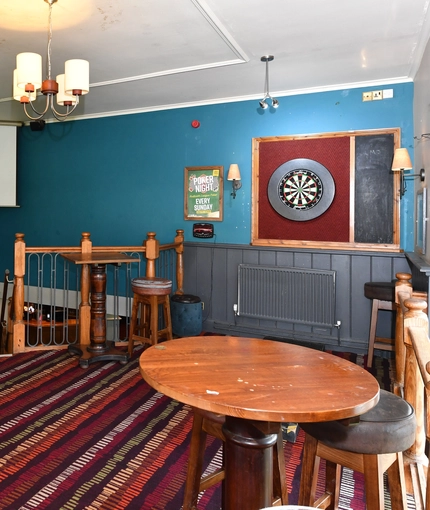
(377, 95)
(388, 93)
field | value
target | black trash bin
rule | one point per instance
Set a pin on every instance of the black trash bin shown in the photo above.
(186, 312)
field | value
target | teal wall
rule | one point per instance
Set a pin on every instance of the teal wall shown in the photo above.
(120, 177)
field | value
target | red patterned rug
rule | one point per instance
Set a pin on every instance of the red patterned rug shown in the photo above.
(101, 438)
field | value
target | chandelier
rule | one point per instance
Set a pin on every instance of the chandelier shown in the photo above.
(68, 87)
(263, 102)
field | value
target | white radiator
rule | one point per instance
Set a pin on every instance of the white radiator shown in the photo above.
(305, 296)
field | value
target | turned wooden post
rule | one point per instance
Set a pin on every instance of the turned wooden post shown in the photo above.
(416, 392)
(403, 291)
(152, 253)
(414, 385)
(421, 344)
(179, 262)
(18, 293)
(85, 306)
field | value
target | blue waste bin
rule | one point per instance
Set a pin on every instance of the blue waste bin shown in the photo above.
(186, 312)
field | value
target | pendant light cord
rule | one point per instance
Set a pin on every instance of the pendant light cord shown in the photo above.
(48, 62)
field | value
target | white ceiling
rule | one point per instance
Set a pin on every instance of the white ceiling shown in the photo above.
(154, 54)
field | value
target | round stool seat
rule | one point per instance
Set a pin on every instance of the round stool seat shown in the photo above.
(389, 427)
(151, 286)
(383, 291)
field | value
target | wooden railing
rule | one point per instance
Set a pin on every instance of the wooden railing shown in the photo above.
(417, 393)
(403, 291)
(149, 253)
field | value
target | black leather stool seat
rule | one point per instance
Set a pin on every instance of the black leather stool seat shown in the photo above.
(383, 291)
(389, 427)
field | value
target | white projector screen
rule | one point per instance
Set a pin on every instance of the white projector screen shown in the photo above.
(8, 166)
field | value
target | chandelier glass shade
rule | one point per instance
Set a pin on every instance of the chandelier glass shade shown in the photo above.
(68, 87)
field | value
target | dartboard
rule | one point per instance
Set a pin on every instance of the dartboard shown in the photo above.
(301, 189)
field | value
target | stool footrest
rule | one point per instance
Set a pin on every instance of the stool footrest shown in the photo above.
(384, 344)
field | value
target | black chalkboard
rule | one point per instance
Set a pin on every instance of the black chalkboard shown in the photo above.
(374, 189)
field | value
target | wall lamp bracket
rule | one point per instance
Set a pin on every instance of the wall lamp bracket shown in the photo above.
(236, 185)
(403, 176)
(235, 178)
(402, 162)
(421, 175)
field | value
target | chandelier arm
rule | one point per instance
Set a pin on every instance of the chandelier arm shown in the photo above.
(62, 116)
(267, 78)
(39, 114)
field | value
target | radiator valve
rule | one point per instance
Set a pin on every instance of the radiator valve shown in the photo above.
(235, 308)
(338, 324)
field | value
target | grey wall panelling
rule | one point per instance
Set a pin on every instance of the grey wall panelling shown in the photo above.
(211, 274)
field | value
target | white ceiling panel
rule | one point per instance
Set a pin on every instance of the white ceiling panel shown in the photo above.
(151, 54)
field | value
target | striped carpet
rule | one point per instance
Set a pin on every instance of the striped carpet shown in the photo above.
(101, 438)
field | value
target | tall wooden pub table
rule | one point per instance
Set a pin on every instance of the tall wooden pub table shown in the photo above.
(99, 349)
(256, 384)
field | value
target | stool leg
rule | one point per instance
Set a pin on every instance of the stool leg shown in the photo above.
(333, 473)
(133, 323)
(145, 314)
(195, 463)
(397, 484)
(310, 468)
(167, 318)
(372, 332)
(153, 320)
(373, 482)
(280, 491)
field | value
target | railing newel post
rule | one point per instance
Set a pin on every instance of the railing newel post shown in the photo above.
(179, 241)
(85, 306)
(18, 295)
(152, 253)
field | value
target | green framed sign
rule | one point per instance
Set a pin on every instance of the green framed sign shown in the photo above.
(203, 193)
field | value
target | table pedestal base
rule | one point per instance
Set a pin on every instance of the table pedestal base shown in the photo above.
(88, 354)
(99, 349)
(249, 463)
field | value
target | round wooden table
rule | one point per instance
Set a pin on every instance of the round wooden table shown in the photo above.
(256, 384)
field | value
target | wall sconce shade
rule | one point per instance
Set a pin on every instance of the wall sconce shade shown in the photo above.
(402, 162)
(234, 175)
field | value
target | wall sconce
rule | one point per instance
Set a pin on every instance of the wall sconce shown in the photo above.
(402, 162)
(234, 175)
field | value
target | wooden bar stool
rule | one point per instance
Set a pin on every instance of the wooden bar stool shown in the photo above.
(383, 297)
(148, 295)
(371, 444)
(204, 423)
